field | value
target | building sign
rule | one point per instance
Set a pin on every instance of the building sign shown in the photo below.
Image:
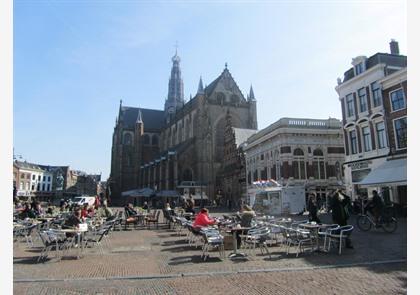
(359, 165)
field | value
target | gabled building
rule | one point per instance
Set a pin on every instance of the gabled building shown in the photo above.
(373, 103)
(232, 176)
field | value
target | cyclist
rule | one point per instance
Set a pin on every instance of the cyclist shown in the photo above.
(375, 206)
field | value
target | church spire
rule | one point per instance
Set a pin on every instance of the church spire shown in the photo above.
(175, 98)
(251, 94)
(200, 87)
(139, 119)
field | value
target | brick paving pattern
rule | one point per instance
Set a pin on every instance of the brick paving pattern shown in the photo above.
(158, 261)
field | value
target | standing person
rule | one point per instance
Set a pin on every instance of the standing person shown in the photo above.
(313, 208)
(97, 202)
(339, 207)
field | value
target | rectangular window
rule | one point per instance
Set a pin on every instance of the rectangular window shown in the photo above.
(400, 126)
(353, 142)
(376, 94)
(33, 187)
(350, 105)
(22, 176)
(362, 99)
(43, 178)
(48, 187)
(380, 131)
(38, 187)
(397, 100)
(367, 142)
(43, 187)
(33, 176)
(39, 177)
(322, 169)
(49, 178)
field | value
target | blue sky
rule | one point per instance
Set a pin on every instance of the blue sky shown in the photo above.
(74, 61)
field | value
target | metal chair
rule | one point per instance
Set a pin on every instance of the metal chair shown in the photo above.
(338, 235)
(212, 239)
(257, 237)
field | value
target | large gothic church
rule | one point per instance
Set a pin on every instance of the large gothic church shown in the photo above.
(184, 142)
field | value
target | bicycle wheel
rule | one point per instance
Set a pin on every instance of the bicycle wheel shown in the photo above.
(363, 223)
(390, 225)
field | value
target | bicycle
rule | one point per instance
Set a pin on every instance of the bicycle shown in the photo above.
(387, 222)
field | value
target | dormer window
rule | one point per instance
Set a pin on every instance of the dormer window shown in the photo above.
(359, 64)
(358, 68)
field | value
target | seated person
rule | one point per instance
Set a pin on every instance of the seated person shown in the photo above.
(145, 206)
(73, 220)
(38, 210)
(27, 212)
(91, 211)
(246, 217)
(130, 213)
(129, 210)
(84, 211)
(203, 219)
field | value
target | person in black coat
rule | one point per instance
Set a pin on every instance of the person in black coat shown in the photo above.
(313, 208)
(340, 213)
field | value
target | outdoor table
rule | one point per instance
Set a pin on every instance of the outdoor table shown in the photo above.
(314, 228)
(80, 233)
(234, 231)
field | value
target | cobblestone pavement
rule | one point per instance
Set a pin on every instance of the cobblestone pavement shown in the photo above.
(158, 261)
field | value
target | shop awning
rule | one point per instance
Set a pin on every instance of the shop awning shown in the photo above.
(392, 172)
(144, 192)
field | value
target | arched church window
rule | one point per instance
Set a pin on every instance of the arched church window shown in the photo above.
(220, 98)
(128, 139)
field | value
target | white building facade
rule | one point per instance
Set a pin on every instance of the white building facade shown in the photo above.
(365, 128)
(307, 152)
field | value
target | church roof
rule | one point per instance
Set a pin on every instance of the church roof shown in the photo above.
(224, 75)
(154, 120)
(241, 135)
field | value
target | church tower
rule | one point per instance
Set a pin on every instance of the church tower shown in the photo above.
(175, 99)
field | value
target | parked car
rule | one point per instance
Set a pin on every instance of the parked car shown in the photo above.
(80, 201)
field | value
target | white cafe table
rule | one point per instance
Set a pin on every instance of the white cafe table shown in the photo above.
(234, 231)
(80, 234)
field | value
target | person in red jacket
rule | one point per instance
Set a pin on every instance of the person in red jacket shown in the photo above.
(203, 219)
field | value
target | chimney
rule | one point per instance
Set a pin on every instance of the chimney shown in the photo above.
(393, 45)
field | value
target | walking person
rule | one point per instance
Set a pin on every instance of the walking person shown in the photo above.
(340, 213)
